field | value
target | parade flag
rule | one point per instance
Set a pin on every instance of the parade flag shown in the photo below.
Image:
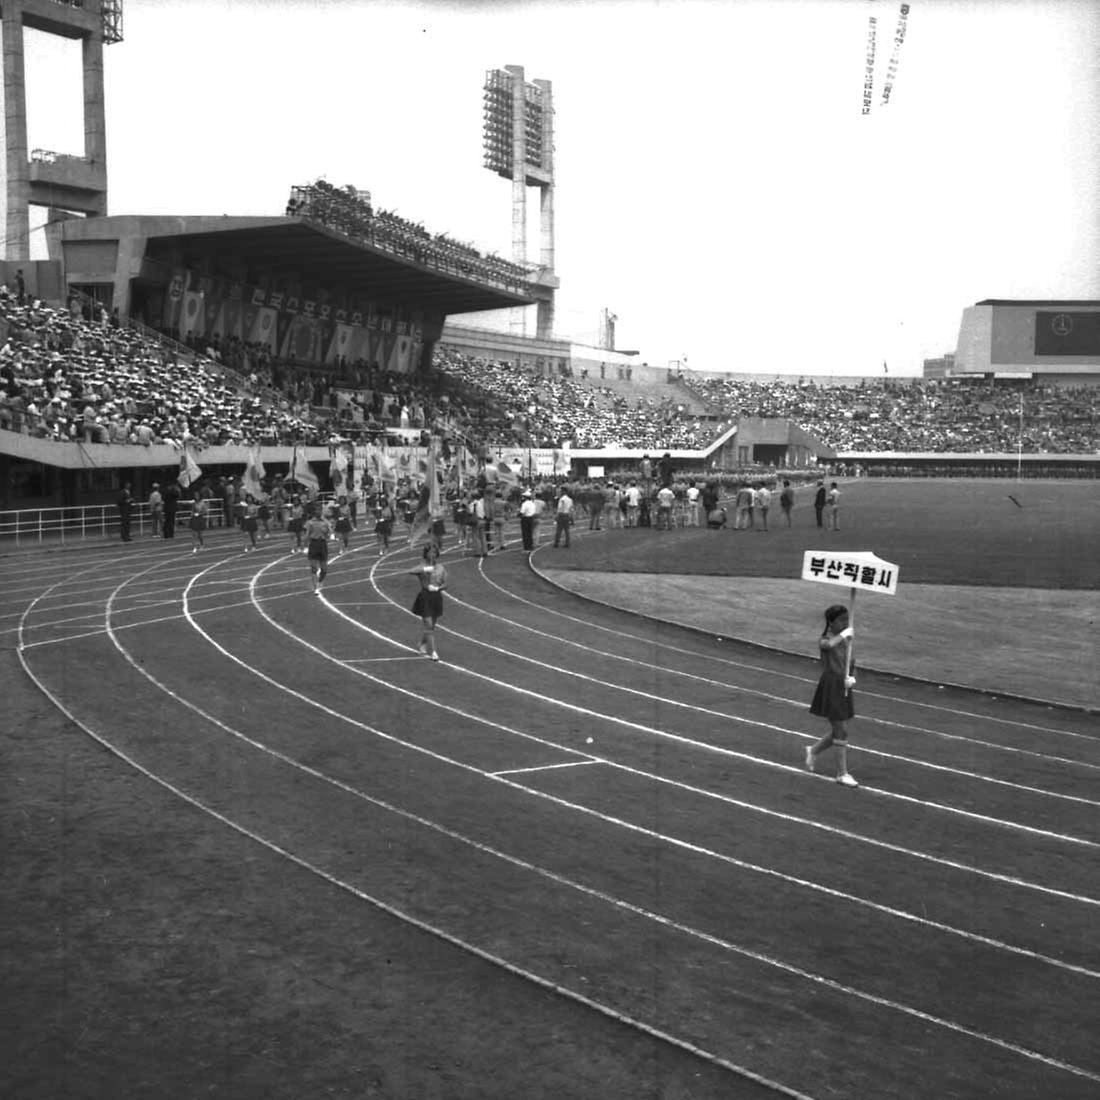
(501, 474)
(301, 473)
(430, 506)
(190, 471)
(338, 470)
(252, 481)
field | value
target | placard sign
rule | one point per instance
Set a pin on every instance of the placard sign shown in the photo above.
(860, 570)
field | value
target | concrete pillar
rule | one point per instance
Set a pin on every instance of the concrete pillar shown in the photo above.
(15, 221)
(95, 118)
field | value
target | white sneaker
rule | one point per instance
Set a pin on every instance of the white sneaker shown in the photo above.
(435, 656)
(809, 758)
(422, 649)
(847, 780)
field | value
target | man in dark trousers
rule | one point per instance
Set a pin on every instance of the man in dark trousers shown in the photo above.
(819, 502)
(171, 506)
(125, 508)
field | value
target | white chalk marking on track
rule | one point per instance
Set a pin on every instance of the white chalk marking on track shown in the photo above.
(700, 654)
(543, 872)
(654, 731)
(424, 926)
(728, 799)
(609, 899)
(545, 768)
(799, 703)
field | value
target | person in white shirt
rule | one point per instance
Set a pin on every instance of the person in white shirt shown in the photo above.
(563, 518)
(665, 499)
(478, 524)
(633, 502)
(692, 495)
(763, 503)
(832, 513)
(528, 519)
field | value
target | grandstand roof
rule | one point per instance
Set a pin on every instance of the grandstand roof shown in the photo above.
(1064, 302)
(309, 251)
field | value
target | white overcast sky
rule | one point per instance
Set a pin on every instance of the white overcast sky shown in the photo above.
(717, 186)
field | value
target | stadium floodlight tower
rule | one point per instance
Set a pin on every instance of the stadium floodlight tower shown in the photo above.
(518, 140)
(44, 178)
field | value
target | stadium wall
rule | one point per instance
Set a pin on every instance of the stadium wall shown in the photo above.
(545, 357)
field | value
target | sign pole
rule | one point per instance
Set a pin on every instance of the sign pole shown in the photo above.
(851, 641)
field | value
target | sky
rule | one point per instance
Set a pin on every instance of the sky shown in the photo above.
(718, 187)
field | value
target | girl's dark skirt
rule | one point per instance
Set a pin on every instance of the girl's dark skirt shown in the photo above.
(343, 526)
(294, 525)
(198, 523)
(428, 605)
(249, 523)
(318, 550)
(831, 700)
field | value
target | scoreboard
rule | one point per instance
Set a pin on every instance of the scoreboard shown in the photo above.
(1029, 338)
(1067, 332)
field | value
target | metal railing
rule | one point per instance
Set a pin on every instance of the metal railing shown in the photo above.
(63, 526)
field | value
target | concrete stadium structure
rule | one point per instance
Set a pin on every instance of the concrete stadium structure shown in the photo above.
(1055, 341)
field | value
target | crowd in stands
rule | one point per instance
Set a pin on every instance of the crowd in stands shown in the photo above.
(955, 415)
(66, 375)
(78, 375)
(535, 410)
(350, 212)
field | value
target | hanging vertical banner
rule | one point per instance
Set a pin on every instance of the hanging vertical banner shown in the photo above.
(191, 315)
(892, 68)
(869, 66)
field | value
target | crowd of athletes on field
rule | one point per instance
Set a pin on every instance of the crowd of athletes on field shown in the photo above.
(71, 375)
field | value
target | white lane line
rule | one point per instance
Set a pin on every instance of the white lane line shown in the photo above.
(586, 712)
(545, 768)
(702, 654)
(609, 899)
(421, 925)
(768, 695)
(800, 704)
(380, 660)
(676, 784)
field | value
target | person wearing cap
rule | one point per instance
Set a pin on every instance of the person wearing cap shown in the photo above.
(528, 517)
(833, 698)
(563, 519)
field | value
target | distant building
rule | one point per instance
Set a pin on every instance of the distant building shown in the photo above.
(940, 368)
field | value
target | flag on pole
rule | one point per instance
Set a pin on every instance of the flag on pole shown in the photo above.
(301, 473)
(190, 471)
(338, 469)
(501, 474)
(429, 507)
(252, 481)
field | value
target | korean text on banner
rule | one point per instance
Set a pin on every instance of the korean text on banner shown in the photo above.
(860, 570)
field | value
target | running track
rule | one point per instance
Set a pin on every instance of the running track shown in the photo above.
(613, 808)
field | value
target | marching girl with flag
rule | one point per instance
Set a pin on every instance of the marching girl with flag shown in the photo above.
(429, 600)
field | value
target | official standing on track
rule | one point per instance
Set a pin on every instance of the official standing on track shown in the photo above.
(125, 511)
(528, 517)
(429, 600)
(833, 697)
